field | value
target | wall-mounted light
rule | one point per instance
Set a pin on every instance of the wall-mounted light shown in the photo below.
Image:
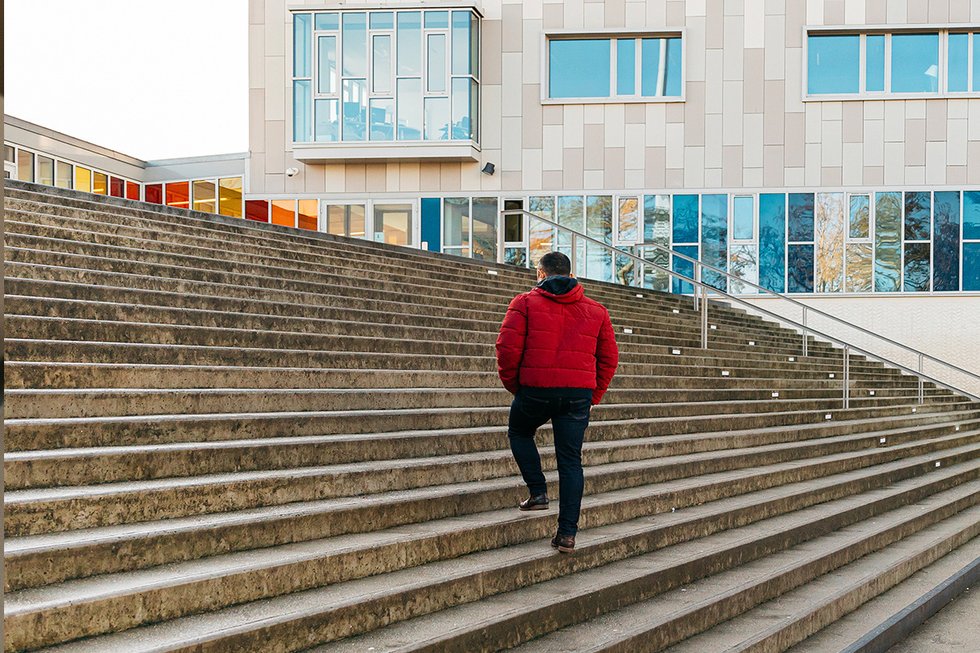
(488, 169)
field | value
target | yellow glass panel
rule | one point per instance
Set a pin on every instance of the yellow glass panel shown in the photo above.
(204, 196)
(230, 197)
(100, 183)
(83, 179)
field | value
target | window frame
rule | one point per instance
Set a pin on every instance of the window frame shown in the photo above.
(863, 31)
(614, 34)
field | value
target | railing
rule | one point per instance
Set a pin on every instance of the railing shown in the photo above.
(701, 292)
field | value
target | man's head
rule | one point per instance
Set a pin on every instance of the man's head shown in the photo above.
(552, 264)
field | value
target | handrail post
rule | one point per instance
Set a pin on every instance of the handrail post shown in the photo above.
(698, 289)
(573, 257)
(847, 379)
(922, 393)
(704, 317)
(805, 346)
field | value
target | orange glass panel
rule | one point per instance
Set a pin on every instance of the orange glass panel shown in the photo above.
(117, 187)
(179, 194)
(83, 179)
(257, 210)
(153, 193)
(205, 198)
(230, 197)
(132, 190)
(284, 212)
(307, 214)
(100, 183)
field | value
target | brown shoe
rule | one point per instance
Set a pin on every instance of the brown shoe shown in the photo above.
(535, 502)
(564, 543)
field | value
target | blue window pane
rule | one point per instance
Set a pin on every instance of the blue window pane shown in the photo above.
(683, 267)
(958, 63)
(915, 63)
(461, 109)
(430, 223)
(860, 217)
(800, 217)
(355, 110)
(409, 60)
(382, 20)
(946, 241)
(302, 108)
(302, 45)
(714, 238)
(971, 266)
(656, 219)
(354, 56)
(461, 42)
(888, 236)
(578, 68)
(971, 215)
(330, 21)
(800, 259)
(410, 109)
(875, 68)
(436, 19)
(626, 66)
(382, 117)
(916, 273)
(685, 228)
(743, 220)
(772, 241)
(651, 80)
(672, 68)
(327, 121)
(327, 64)
(833, 64)
(918, 214)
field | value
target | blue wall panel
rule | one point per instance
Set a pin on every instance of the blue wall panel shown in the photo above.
(772, 241)
(430, 223)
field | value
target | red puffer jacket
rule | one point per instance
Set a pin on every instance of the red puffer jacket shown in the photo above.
(556, 337)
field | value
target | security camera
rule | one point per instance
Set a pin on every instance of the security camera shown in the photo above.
(292, 172)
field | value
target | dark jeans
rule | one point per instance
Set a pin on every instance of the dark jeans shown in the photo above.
(568, 410)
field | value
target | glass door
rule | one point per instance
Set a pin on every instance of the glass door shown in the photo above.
(344, 220)
(393, 223)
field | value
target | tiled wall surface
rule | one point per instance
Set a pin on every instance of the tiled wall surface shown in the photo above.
(743, 124)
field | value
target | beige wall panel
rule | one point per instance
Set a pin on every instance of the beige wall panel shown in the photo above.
(636, 14)
(552, 180)
(794, 177)
(430, 176)
(449, 176)
(551, 155)
(275, 89)
(731, 170)
(831, 143)
(956, 175)
(594, 144)
(936, 163)
(614, 123)
(695, 50)
(832, 110)
(574, 125)
(276, 21)
(956, 139)
(852, 164)
(511, 31)
(874, 175)
(874, 110)
(754, 85)
(531, 116)
(915, 175)
(695, 8)
(492, 182)
(614, 13)
(297, 183)
(795, 139)
(553, 16)
(754, 35)
(675, 178)
(614, 167)
(973, 167)
(574, 14)
(594, 114)
(635, 138)
(635, 179)
(854, 11)
(896, 11)
(915, 142)
(714, 89)
(714, 127)
(675, 145)
(814, 12)
(256, 12)
(794, 79)
(775, 117)
(732, 114)
(974, 118)
(256, 120)
(712, 177)
(408, 175)
(813, 122)
(315, 180)
(959, 11)
(510, 85)
(392, 177)
(834, 12)
(491, 123)
(894, 122)
(938, 11)
(752, 178)
(812, 165)
(594, 15)
(655, 168)
(895, 163)
(355, 176)
(376, 176)
(734, 48)
(275, 152)
(533, 9)
(531, 170)
(752, 129)
(334, 181)
(795, 18)
(572, 167)
(510, 148)
(675, 13)
(274, 184)
(656, 124)
(831, 176)
(594, 180)
(852, 122)
(874, 142)
(491, 59)
(694, 167)
(917, 11)
(694, 114)
(714, 25)
(875, 11)
(936, 121)
(914, 108)
(255, 183)
(957, 109)
(553, 114)
(256, 56)
(775, 38)
(532, 51)
(510, 180)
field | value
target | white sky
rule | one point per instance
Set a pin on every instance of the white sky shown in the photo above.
(150, 78)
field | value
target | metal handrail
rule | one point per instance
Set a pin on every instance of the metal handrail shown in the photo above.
(706, 289)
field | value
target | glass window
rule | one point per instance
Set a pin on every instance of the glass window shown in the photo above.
(327, 121)
(540, 237)
(485, 228)
(436, 63)
(915, 277)
(833, 64)
(25, 165)
(685, 228)
(354, 56)
(915, 63)
(100, 183)
(9, 153)
(971, 215)
(394, 222)
(178, 194)
(859, 223)
(971, 266)
(205, 197)
(683, 266)
(772, 241)
(83, 180)
(946, 230)
(888, 236)
(302, 45)
(626, 66)
(958, 63)
(355, 110)
(800, 272)
(382, 20)
(743, 263)
(578, 68)
(63, 175)
(382, 120)
(652, 80)
(328, 21)
(714, 238)
(462, 127)
(436, 20)
(45, 170)
(628, 228)
(455, 222)
(672, 68)
(409, 43)
(800, 217)
(462, 22)
(132, 190)
(284, 212)
(117, 187)
(152, 193)
(860, 271)
(381, 63)
(743, 217)
(437, 118)
(326, 64)
(918, 214)
(307, 214)
(409, 109)
(302, 105)
(513, 227)
(976, 61)
(257, 210)
(829, 228)
(875, 63)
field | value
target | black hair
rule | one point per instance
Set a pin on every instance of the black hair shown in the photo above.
(555, 263)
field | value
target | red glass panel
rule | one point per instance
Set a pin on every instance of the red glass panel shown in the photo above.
(179, 194)
(307, 214)
(117, 187)
(284, 212)
(257, 210)
(132, 190)
(153, 193)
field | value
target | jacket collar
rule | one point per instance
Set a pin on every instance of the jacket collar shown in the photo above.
(564, 290)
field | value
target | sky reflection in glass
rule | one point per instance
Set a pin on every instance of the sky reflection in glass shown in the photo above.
(772, 241)
(946, 230)
(800, 259)
(833, 64)
(578, 68)
(888, 220)
(714, 238)
(915, 63)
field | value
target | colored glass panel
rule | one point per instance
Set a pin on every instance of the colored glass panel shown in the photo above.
(326, 74)
(540, 234)
(257, 210)
(132, 190)
(916, 272)
(409, 109)
(859, 217)
(829, 226)
(744, 264)
(800, 262)
(915, 63)
(971, 266)
(382, 116)
(461, 50)
(629, 220)
(682, 266)
(327, 21)
(772, 241)
(230, 197)
(430, 218)
(958, 63)
(284, 212)
(918, 215)
(355, 110)
(409, 43)
(83, 182)
(946, 237)
(205, 197)
(888, 222)
(178, 194)
(302, 45)
(598, 225)
(833, 64)
(714, 238)
(971, 215)
(485, 228)
(62, 176)
(152, 193)
(117, 187)
(307, 214)
(578, 68)
(100, 183)
(353, 60)
(860, 269)
(800, 217)
(25, 165)
(45, 170)
(435, 79)
(326, 121)
(302, 108)
(626, 66)
(875, 63)
(685, 224)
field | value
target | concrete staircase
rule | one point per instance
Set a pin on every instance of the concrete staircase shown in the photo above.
(223, 436)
